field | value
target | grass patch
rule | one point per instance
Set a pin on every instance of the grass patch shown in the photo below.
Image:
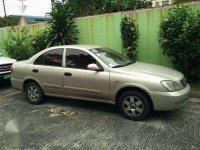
(195, 86)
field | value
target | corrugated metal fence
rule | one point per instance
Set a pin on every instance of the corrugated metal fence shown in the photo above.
(105, 30)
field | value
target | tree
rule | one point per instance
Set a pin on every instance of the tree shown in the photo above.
(61, 31)
(62, 28)
(93, 7)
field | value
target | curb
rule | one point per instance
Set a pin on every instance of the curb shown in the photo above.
(195, 94)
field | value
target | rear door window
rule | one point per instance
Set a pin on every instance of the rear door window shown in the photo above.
(51, 58)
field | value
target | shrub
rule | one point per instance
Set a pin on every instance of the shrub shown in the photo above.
(6, 21)
(86, 7)
(129, 35)
(40, 41)
(18, 44)
(180, 39)
(2, 22)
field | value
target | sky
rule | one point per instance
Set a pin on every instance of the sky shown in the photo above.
(31, 7)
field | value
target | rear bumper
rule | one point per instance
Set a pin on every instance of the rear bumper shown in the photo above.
(165, 101)
(17, 84)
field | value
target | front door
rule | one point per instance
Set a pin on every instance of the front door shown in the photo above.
(81, 82)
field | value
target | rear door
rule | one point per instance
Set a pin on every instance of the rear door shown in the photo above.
(48, 71)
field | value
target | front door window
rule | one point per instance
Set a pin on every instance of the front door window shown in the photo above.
(78, 59)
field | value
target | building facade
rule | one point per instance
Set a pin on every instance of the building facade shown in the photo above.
(161, 3)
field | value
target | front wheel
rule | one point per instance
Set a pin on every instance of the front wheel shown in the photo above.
(34, 93)
(134, 105)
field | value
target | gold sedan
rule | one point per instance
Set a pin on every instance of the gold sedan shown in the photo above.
(96, 73)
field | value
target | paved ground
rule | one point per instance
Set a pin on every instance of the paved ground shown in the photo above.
(67, 124)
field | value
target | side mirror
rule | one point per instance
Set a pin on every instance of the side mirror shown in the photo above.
(93, 67)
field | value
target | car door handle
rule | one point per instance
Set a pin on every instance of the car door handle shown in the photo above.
(35, 70)
(68, 74)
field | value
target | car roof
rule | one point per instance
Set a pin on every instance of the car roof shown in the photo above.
(78, 46)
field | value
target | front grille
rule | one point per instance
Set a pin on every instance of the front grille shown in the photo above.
(184, 82)
(5, 67)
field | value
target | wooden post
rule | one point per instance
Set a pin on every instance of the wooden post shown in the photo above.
(4, 8)
(5, 16)
(52, 3)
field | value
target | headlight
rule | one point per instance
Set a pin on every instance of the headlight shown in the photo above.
(171, 85)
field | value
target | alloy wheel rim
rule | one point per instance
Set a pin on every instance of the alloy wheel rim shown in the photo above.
(33, 93)
(133, 106)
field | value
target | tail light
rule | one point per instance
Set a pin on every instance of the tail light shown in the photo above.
(11, 69)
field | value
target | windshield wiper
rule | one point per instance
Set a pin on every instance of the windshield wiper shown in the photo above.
(117, 66)
(129, 63)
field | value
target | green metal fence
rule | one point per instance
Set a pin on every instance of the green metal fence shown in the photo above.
(105, 30)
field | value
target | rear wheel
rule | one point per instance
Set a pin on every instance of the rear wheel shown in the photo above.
(34, 93)
(134, 105)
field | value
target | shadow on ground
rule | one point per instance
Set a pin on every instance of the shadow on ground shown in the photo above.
(5, 84)
(104, 108)
(81, 104)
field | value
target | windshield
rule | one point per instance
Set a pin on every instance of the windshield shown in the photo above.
(111, 57)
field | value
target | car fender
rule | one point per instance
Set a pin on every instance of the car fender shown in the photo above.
(34, 79)
(129, 85)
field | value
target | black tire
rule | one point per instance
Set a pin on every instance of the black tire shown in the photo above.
(34, 93)
(134, 105)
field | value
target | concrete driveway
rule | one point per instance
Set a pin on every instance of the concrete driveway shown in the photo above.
(71, 124)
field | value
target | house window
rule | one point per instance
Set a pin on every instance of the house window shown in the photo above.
(165, 3)
(157, 4)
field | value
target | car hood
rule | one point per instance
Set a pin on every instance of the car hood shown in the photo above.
(145, 69)
(6, 60)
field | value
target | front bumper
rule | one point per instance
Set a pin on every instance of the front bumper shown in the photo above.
(5, 75)
(164, 101)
